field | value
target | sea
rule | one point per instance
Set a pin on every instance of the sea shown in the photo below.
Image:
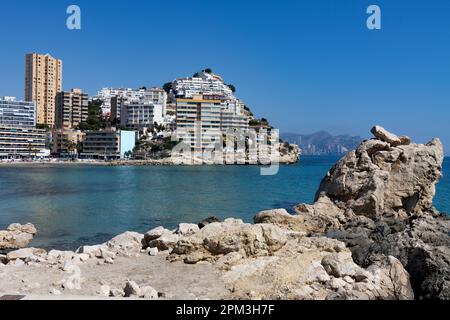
(77, 205)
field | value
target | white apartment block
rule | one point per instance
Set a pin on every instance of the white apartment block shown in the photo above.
(137, 114)
(204, 83)
(113, 100)
(198, 122)
(208, 85)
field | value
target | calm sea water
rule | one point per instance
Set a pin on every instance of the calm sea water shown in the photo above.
(75, 205)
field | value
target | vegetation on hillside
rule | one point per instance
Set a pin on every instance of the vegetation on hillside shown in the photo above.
(95, 120)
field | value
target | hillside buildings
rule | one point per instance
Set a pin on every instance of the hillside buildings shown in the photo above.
(71, 108)
(43, 80)
(136, 114)
(114, 99)
(198, 121)
(201, 83)
(206, 110)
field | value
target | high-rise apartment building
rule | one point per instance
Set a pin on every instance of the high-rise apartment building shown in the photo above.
(17, 114)
(199, 121)
(136, 114)
(43, 80)
(71, 108)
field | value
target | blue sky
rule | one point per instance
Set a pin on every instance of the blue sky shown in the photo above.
(305, 65)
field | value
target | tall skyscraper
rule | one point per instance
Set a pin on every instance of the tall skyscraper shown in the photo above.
(43, 80)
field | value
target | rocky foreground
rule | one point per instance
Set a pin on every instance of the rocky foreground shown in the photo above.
(371, 234)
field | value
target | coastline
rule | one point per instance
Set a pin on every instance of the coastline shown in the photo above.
(135, 163)
(342, 247)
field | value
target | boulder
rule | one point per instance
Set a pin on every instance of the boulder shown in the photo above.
(61, 257)
(166, 242)
(132, 289)
(152, 251)
(382, 134)
(149, 293)
(126, 244)
(26, 228)
(16, 236)
(423, 247)
(25, 254)
(153, 235)
(104, 291)
(281, 218)
(315, 268)
(207, 221)
(186, 229)
(381, 179)
(93, 251)
(116, 293)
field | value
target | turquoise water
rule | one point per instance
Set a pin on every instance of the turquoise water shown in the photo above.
(75, 205)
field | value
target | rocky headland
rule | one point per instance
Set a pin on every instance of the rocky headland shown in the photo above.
(372, 233)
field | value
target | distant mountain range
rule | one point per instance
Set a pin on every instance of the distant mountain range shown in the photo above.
(323, 143)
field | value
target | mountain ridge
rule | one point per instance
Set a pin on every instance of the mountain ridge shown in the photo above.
(322, 142)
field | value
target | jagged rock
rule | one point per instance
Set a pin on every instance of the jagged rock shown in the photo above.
(149, 293)
(26, 253)
(152, 251)
(389, 188)
(299, 271)
(57, 256)
(321, 216)
(16, 236)
(227, 237)
(92, 251)
(423, 247)
(153, 235)
(382, 134)
(282, 218)
(83, 257)
(165, 242)
(207, 221)
(26, 228)
(380, 180)
(126, 244)
(340, 264)
(104, 291)
(186, 229)
(116, 293)
(132, 289)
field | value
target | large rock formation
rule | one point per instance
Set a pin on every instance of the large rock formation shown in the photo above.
(387, 178)
(378, 200)
(265, 261)
(16, 236)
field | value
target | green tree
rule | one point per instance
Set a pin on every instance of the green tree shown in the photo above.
(208, 70)
(167, 87)
(42, 126)
(95, 120)
(232, 87)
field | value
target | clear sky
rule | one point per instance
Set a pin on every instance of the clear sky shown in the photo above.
(304, 65)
